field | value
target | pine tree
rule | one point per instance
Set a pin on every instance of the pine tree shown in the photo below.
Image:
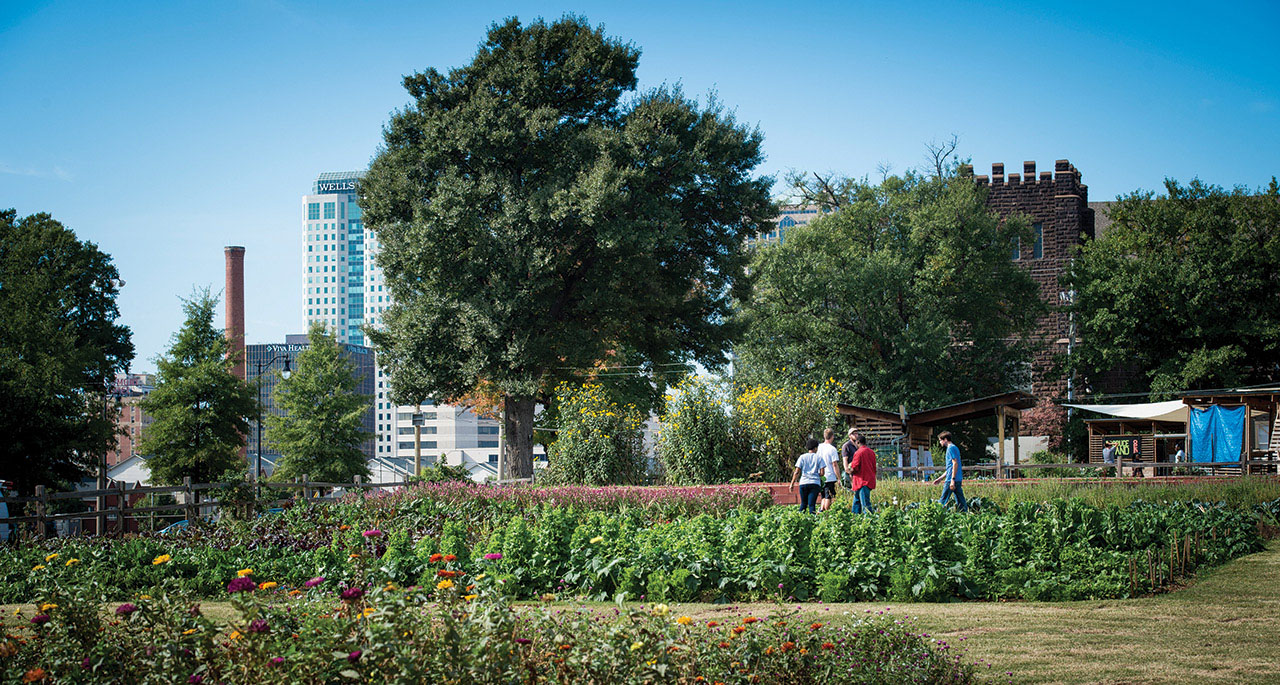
(200, 411)
(323, 426)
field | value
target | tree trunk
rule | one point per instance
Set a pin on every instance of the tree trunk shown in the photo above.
(518, 428)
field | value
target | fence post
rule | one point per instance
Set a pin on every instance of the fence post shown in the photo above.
(306, 489)
(41, 504)
(189, 499)
(121, 505)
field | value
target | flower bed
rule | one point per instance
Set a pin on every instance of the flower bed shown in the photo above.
(460, 628)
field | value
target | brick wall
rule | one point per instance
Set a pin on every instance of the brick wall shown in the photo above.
(1059, 202)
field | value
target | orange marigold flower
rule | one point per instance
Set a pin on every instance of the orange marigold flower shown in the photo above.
(700, 679)
(788, 646)
(750, 619)
(295, 593)
(445, 573)
(768, 650)
(815, 625)
(344, 527)
(828, 645)
(712, 624)
(450, 557)
(565, 648)
(781, 624)
(435, 558)
(34, 675)
(803, 651)
(738, 630)
(724, 644)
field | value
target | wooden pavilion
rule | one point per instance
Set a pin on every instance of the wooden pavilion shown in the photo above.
(906, 432)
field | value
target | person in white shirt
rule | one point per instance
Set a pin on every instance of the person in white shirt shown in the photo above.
(808, 473)
(831, 459)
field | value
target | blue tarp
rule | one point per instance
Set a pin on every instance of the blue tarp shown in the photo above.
(1217, 433)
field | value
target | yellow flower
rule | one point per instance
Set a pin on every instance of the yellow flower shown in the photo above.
(470, 597)
(390, 586)
(144, 596)
(47, 606)
(684, 620)
(352, 556)
(236, 635)
(661, 610)
(243, 572)
(597, 539)
(163, 558)
(444, 584)
(637, 646)
(72, 562)
(482, 575)
(37, 567)
(268, 585)
(189, 631)
(51, 557)
(366, 612)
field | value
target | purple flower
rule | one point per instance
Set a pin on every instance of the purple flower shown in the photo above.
(313, 582)
(523, 641)
(241, 585)
(85, 663)
(125, 609)
(375, 533)
(195, 679)
(40, 619)
(493, 556)
(277, 660)
(354, 656)
(258, 625)
(351, 594)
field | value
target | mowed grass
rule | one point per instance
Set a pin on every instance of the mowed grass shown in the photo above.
(1223, 628)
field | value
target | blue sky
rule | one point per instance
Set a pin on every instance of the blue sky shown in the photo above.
(164, 131)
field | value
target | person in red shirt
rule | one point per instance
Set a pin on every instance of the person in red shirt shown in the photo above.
(862, 473)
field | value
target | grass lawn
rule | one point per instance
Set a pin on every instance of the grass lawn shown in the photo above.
(1223, 628)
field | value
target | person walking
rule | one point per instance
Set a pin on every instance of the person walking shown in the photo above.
(862, 474)
(808, 473)
(831, 462)
(953, 477)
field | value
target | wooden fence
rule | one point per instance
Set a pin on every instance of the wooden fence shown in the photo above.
(197, 500)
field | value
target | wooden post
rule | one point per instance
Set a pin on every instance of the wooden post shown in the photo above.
(122, 503)
(1017, 430)
(306, 489)
(356, 485)
(42, 505)
(188, 497)
(1000, 448)
(417, 450)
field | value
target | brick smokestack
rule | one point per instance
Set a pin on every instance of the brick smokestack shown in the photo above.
(235, 309)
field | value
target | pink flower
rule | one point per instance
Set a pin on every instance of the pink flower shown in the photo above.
(40, 619)
(314, 582)
(243, 584)
(375, 533)
(354, 656)
(277, 660)
(352, 593)
(493, 556)
(258, 625)
(125, 609)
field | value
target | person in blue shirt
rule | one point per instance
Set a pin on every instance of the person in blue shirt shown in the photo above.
(809, 471)
(953, 477)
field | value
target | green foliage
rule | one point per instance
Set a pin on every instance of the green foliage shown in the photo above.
(695, 444)
(599, 443)
(905, 294)
(199, 410)
(60, 348)
(1182, 289)
(535, 219)
(777, 420)
(322, 428)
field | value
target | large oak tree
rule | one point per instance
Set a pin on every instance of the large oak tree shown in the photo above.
(535, 215)
(60, 348)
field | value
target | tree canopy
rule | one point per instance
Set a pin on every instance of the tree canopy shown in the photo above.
(200, 412)
(322, 428)
(904, 294)
(1182, 291)
(532, 220)
(60, 348)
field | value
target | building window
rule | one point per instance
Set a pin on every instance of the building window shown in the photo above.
(1017, 249)
(487, 430)
(486, 443)
(1037, 250)
(408, 430)
(329, 210)
(426, 445)
(313, 210)
(493, 458)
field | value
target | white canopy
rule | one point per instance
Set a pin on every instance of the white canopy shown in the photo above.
(1173, 410)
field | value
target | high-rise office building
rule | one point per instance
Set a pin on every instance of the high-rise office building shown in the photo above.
(333, 249)
(345, 290)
